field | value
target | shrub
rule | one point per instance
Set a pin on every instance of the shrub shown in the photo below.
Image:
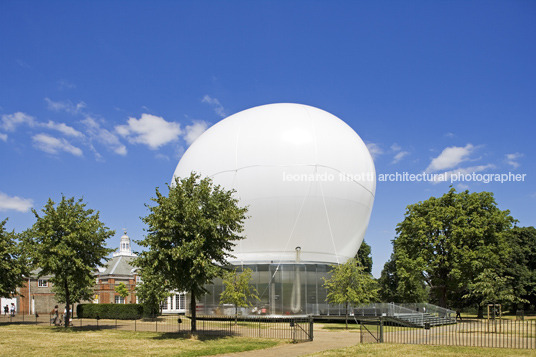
(110, 311)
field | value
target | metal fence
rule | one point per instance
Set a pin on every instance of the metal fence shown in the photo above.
(294, 328)
(501, 333)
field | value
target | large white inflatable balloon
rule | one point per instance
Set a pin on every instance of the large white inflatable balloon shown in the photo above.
(306, 176)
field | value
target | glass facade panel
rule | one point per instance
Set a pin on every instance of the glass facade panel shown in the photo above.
(283, 289)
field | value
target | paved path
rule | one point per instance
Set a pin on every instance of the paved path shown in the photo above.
(323, 340)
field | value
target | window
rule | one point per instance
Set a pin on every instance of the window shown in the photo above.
(138, 279)
(165, 304)
(180, 303)
(119, 299)
(42, 283)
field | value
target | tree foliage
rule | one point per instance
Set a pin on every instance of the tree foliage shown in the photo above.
(237, 289)
(490, 288)
(364, 257)
(521, 265)
(190, 235)
(349, 284)
(68, 243)
(122, 290)
(444, 244)
(151, 291)
(13, 264)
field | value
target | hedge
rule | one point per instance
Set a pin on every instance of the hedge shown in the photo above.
(110, 311)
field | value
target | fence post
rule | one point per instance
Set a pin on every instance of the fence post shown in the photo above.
(381, 329)
(311, 327)
(135, 325)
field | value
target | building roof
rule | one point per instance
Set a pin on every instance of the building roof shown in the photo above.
(119, 265)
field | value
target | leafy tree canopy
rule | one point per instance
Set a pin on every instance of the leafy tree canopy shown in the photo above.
(122, 290)
(446, 242)
(68, 243)
(238, 290)
(190, 235)
(151, 291)
(13, 265)
(349, 284)
(364, 257)
(521, 265)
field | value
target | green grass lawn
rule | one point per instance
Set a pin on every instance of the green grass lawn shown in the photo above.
(398, 350)
(31, 340)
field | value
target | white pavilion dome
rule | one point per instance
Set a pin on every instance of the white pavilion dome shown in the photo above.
(307, 178)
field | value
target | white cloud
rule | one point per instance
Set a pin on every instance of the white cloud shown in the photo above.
(150, 130)
(215, 104)
(193, 131)
(3, 137)
(11, 121)
(450, 157)
(511, 159)
(15, 203)
(63, 84)
(399, 156)
(103, 136)
(374, 150)
(65, 106)
(53, 145)
(63, 128)
(449, 135)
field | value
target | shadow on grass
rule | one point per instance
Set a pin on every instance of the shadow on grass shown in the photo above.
(82, 328)
(19, 323)
(186, 335)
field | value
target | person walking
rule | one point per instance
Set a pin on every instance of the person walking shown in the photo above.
(13, 309)
(54, 313)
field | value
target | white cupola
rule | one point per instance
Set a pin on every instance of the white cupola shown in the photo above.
(124, 246)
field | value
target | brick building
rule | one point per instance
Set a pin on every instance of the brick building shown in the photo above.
(36, 295)
(118, 270)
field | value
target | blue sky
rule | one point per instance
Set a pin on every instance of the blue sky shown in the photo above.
(100, 99)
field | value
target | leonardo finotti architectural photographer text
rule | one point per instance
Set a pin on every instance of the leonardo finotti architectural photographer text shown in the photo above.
(451, 177)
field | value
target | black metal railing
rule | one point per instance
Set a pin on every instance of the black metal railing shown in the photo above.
(501, 333)
(294, 328)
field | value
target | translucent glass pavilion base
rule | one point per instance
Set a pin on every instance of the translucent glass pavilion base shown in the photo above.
(283, 289)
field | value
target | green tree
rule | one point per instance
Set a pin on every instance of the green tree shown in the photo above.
(521, 265)
(238, 290)
(447, 242)
(350, 284)
(151, 291)
(122, 290)
(13, 264)
(388, 282)
(490, 288)
(364, 257)
(191, 233)
(68, 242)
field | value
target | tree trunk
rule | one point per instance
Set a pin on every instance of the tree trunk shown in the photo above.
(236, 315)
(67, 305)
(346, 314)
(480, 312)
(193, 309)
